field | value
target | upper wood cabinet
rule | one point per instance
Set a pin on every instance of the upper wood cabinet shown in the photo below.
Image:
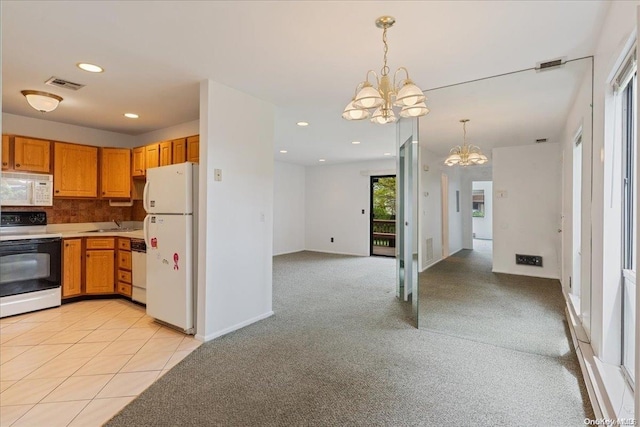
(115, 179)
(6, 164)
(71, 267)
(151, 156)
(165, 153)
(193, 148)
(179, 150)
(75, 170)
(26, 154)
(138, 166)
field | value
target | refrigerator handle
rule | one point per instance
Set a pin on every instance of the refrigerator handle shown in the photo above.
(145, 230)
(145, 196)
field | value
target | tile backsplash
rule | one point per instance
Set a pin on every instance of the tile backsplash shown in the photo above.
(66, 211)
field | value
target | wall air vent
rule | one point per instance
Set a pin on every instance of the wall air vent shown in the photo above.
(541, 140)
(550, 65)
(55, 81)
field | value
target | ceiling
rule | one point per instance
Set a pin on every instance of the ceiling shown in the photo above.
(304, 57)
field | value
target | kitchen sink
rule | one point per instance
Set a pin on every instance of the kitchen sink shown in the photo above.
(113, 230)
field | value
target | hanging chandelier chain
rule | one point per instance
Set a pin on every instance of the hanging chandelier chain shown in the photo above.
(385, 68)
(464, 134)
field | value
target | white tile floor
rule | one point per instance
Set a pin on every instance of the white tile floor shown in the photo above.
(79, 364)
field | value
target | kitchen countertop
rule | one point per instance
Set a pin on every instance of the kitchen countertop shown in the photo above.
(85, 229)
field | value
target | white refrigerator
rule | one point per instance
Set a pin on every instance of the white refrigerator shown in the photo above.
(170, 200)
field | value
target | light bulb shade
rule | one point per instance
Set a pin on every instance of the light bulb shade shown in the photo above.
(42, 101)
(383, 116)
(418, 110)
(352, 113)
(453, 159)
(474, 157)
(409, 94)
(368, 97)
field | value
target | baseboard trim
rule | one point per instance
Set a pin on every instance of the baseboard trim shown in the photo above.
(235, 327)
(289, 252)
(527, 275)
(430, 265)
(334, 253)
(600, 401)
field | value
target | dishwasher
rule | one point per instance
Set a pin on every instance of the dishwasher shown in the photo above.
(139, 270)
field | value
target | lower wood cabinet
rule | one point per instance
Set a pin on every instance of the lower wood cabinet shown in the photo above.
(124, 267)
(71, 267)
(100, 258)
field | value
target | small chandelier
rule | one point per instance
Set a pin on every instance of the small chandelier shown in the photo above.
(465, 155)
(387, 94)
(44, 102)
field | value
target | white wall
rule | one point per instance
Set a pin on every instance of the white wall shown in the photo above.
(172, 132)
(46, 129)
(236, 214)
(430, 207)
(526, 221)
(288, 208)
(483, 226)
(335, 197)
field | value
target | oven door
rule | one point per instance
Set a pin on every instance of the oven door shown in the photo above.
(29, 265)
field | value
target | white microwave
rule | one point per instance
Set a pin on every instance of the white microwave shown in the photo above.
(26, 189)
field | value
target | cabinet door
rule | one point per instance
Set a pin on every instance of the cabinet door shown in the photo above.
(31, 155)
(193, 149)
(165, 153)
(138, 162)
(116, 164)
(75, 170)
(71, 267)
(179, 150)
(5, 152)
(152, 156)
(100, 270)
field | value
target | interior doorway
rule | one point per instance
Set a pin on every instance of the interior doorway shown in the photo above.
(383, 215)
(444, 180)
(482, 215)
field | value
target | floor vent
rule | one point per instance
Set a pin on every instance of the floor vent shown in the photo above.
(55, 81)
(429, 250)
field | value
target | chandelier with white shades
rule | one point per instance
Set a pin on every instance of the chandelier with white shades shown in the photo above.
(465, 155)
(382, 98)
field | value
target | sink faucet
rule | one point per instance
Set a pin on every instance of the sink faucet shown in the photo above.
(117, 223)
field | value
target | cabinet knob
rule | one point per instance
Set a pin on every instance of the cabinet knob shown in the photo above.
(57, 191)
(4, 163)
(17, 165)
(87, 255)
(103, 193)
(66, 245)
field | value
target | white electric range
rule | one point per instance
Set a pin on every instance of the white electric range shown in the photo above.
(30, 263)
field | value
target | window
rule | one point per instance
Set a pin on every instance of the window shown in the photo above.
(478, 203)
(626, 89)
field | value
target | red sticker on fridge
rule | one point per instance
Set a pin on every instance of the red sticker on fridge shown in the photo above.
(154, 243)
(175, 261)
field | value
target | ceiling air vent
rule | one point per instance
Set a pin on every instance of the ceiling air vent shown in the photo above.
(549, 65)
(541, 140)
(55, 81)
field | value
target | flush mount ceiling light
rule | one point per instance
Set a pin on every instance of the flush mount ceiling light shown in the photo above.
(131, 115)
(321, 160)
(283, 151)
(381, 99)
(92, 68)
(303, 124)
(42, 101)
(465, 155)
(355, 142)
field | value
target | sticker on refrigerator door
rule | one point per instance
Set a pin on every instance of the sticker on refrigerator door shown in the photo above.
(153, 220)
(175, 261)
(152, 203)
(154, 243)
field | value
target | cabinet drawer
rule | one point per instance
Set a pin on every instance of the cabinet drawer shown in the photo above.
(124, 276)
(101, 243)
(124, 260)
(124, 244)
(124, 289)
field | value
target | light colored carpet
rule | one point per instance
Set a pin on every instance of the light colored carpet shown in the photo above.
(340, 352)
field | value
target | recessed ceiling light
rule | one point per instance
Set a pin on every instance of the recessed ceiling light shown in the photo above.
(283, 151)
(387, 154)
(92, 68)
(302, 124)
(355, 142)
(322, 160)
(131, 115)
